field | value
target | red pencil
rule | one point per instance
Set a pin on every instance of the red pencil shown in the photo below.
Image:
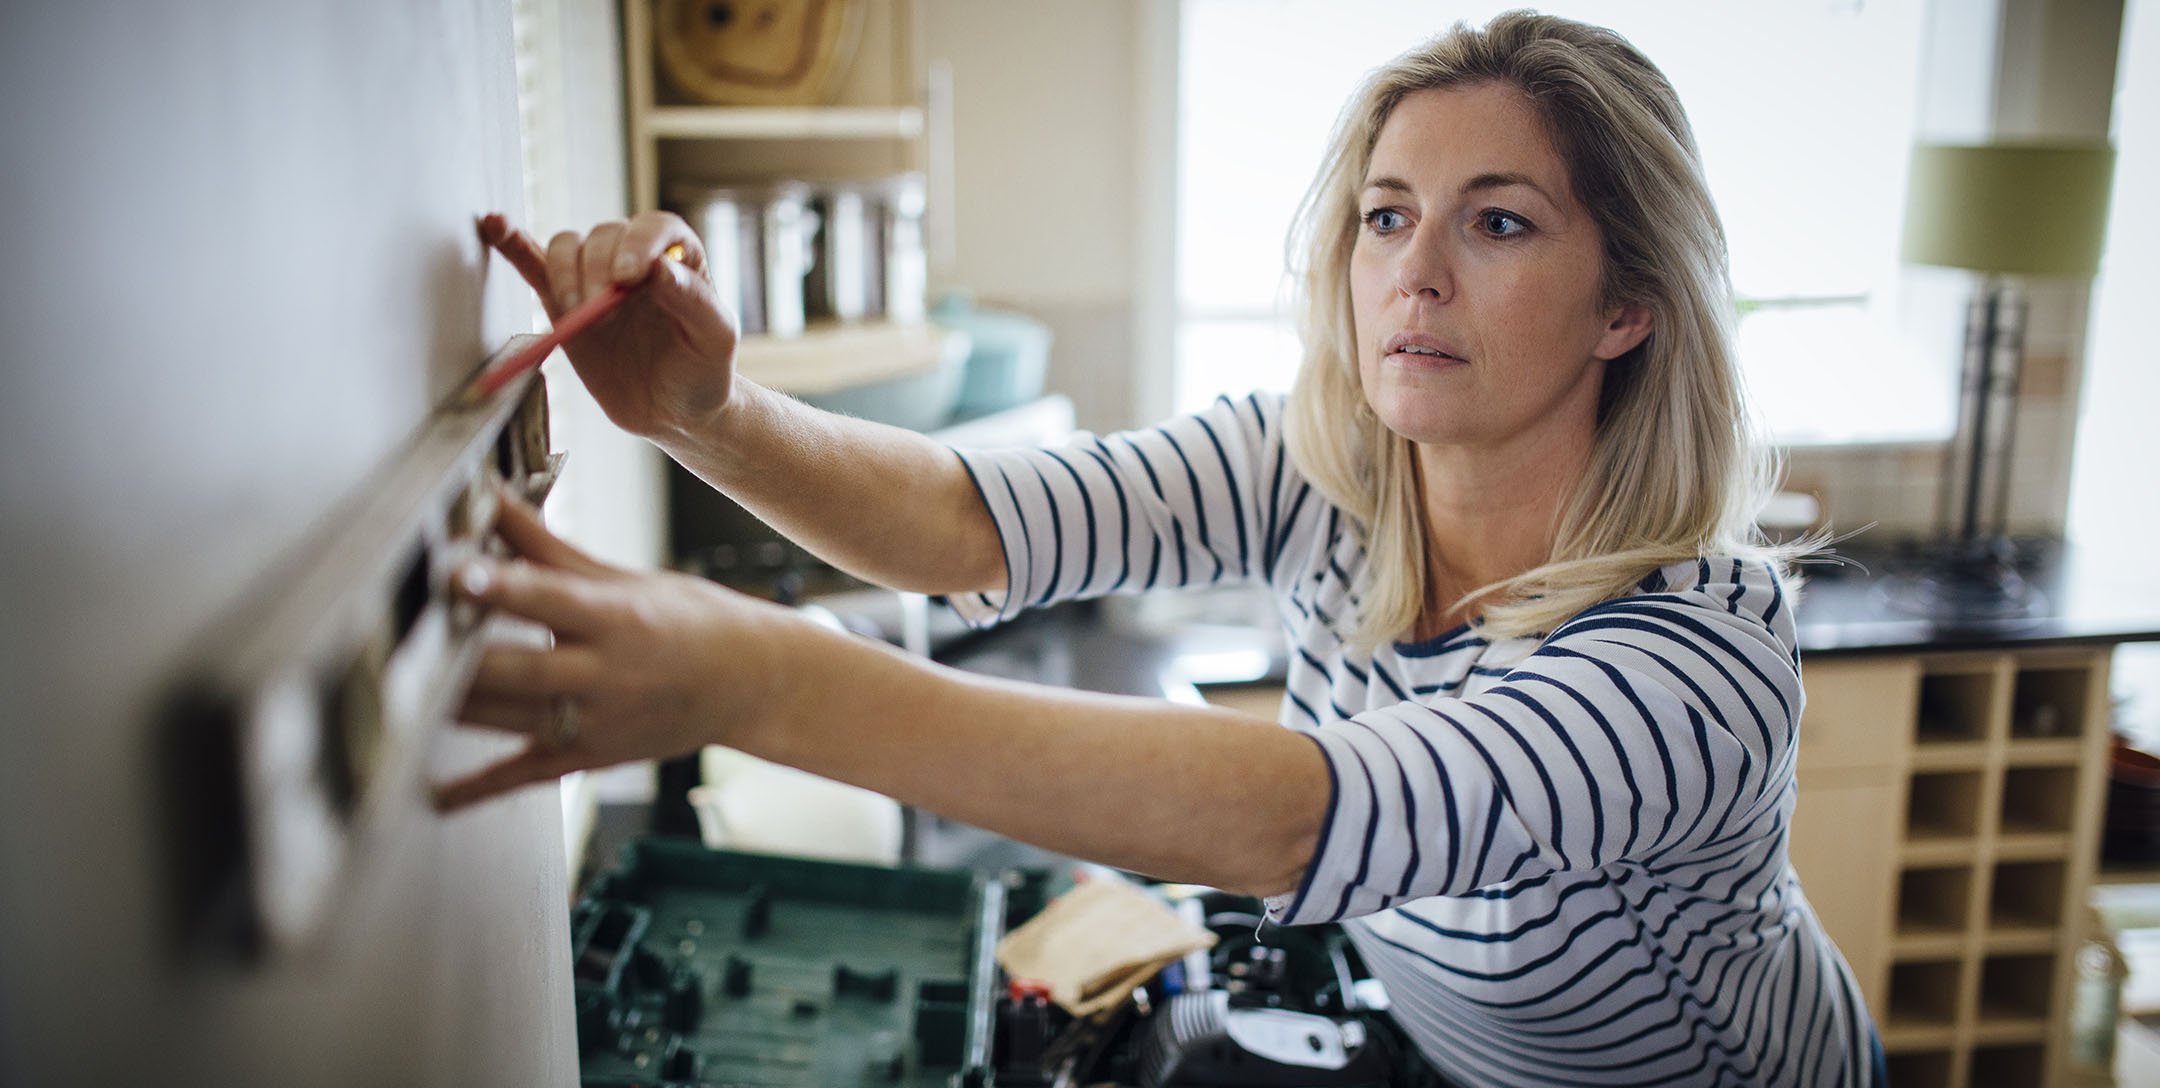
(580, 318)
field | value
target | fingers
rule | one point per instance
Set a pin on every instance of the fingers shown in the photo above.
(567, 603)
(596, 260)
(522, 672)
(522, 528)
(647, 238)
(575, 267)
(562, 268)
(530, 715)
(534, 764)
(523, 253)
(699, 317)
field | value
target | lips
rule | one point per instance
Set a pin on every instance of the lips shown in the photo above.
(1424, 347)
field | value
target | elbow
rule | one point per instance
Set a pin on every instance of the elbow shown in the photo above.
(1292, 813)
(1289, 877)
(962, 576)
(969, 559)
(1282, 882)
(1279, 884)
(1279, 869)
(975, 544)
(985, 552)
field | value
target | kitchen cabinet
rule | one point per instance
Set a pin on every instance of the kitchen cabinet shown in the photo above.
(876, 122)
(1850, 797)
(1947, 829)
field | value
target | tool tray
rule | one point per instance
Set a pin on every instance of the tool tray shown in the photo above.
(699, 967)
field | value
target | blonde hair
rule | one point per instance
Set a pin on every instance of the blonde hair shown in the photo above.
(1673, 474)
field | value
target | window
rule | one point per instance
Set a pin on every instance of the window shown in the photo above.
(1805, 114)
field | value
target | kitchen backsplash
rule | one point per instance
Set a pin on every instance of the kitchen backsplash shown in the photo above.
(1896, 487)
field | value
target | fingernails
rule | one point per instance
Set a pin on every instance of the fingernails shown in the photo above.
(626, 264)
(475, 577)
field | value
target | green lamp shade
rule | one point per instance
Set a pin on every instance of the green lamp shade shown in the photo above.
(2016, 209)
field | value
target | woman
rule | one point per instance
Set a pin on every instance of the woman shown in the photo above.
(1544, 687)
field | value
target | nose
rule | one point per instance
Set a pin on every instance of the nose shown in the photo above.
(1423, 268)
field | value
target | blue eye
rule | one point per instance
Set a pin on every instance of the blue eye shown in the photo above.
(1383, 220)
(1493, 222)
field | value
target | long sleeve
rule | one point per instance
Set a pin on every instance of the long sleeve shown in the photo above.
(1645, 728)
(1188, 503)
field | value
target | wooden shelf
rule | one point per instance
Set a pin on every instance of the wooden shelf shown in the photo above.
(2013, 938)
(1924, 850)
(874, 120)
(785, 122)
(2031, 838)
(2008, 1032)
(2044, 753)
(1925, 943)
(2016, 844)
(2003, 1028)
(1986, 801)
(830, 358)
(1939, 755)
(1899, 1036)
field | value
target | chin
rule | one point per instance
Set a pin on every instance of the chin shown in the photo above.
(1420, 419)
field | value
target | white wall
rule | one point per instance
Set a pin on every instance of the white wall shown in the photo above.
(2113, 494)
(610, 499)
(2114, 503)
(1048, 204)
(242, 271)
(1042, 115)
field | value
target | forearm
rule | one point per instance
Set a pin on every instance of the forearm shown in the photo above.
(1178, 792)
(882, 503)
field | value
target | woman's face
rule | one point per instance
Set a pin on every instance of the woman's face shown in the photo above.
(1474, 280)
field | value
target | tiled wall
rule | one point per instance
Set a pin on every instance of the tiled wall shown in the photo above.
(1896, 488)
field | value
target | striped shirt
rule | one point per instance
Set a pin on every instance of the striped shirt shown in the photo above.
(1564, 856)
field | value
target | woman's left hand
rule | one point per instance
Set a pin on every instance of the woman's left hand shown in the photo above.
(645, 665)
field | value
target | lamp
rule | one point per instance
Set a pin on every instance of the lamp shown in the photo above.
(2002, 210)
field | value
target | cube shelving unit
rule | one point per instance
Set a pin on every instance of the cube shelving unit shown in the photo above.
(1947, 832)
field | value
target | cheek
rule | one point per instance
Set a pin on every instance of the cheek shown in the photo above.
(1368, 295)
(1362, 311)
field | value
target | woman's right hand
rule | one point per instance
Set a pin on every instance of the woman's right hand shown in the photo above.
(663, 363)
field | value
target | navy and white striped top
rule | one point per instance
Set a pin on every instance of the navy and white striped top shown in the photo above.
(1565, 857)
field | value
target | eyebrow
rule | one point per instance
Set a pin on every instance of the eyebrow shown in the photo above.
(1489, 180)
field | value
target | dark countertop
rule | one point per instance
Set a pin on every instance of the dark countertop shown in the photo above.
(2088, 596)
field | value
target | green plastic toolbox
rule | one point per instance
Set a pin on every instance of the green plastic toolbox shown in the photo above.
(698, 967)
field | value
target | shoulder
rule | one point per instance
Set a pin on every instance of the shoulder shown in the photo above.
(1245, 427)
(1713, 635)
(1736, 605)
(1259, 412)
